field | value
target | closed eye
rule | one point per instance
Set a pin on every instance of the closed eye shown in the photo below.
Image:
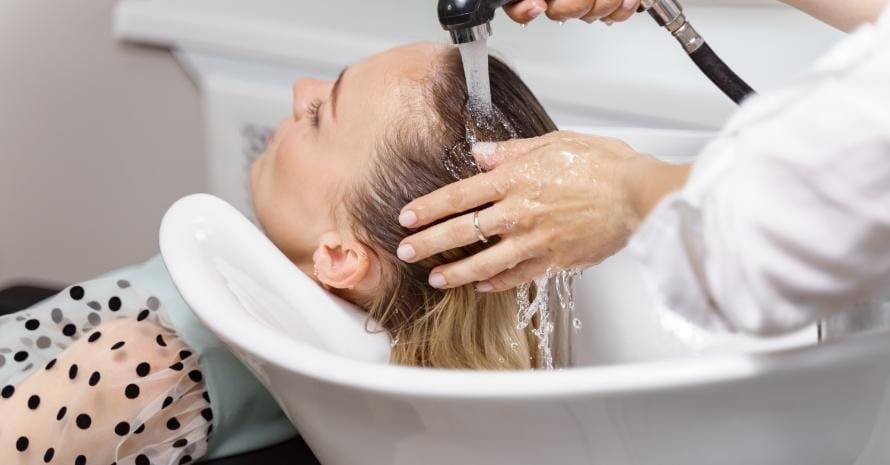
(313, 112)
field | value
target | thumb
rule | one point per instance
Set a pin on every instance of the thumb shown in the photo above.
(490, 155)
(525, 10)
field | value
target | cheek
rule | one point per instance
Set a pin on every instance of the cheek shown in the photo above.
(293, 165)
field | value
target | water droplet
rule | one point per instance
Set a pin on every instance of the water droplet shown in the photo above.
(501, 360)
(514, 345)
(561, 23)
(393, 343)
(576, 323)
(523, 25)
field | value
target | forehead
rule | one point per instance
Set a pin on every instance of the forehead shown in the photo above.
(382, 87)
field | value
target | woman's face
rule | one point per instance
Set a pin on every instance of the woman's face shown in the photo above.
(327, 143)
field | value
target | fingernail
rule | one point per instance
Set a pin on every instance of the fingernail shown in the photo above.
(485, 149)
(437, 280)
(407, 218)
(484, 287)
(535, 12)
(629, 4)
(405, 252)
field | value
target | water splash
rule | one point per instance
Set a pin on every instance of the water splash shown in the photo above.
(562, 282)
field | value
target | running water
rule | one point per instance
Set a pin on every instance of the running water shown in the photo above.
(475, 62)
(475, 59)
(562, 283)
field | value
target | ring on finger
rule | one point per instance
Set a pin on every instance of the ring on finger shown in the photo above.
(479, 234)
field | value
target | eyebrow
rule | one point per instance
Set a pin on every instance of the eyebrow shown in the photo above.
(335, 92)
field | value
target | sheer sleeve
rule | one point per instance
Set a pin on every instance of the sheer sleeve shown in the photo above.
(97, 375)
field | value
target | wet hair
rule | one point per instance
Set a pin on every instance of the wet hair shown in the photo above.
(453, 328)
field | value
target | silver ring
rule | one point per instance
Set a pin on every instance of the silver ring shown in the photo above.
(479, 232)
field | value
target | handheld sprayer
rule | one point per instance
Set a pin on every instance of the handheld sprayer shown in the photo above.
(470, 20)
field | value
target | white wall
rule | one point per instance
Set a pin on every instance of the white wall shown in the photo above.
(96, 140)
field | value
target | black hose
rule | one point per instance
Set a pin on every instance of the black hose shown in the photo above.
(720, 74)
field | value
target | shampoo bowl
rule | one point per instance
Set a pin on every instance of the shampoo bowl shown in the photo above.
(647, 390)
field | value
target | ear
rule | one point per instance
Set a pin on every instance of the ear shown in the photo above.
(342, 262)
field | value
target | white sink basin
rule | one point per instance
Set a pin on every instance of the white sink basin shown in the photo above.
(651, 390)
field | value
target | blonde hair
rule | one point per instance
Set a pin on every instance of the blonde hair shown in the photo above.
(459, 327)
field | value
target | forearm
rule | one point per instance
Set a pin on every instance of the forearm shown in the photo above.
(845, 15)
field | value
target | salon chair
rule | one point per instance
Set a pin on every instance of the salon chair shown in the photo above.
(291, 452)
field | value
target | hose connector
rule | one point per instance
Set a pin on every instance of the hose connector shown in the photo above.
(669, 14)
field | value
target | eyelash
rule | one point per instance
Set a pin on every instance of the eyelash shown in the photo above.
(313, 112)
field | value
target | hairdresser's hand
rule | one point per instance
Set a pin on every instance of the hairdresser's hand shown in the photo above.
(608, 11)
(564, 200)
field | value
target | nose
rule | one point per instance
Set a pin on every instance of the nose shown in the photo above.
(306, 91)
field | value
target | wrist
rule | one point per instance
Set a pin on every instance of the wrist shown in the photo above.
(648, 180)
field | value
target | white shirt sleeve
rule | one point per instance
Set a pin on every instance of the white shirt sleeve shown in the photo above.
(786, 216)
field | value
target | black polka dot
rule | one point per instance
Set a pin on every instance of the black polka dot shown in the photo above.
(173, 424)
(83, 421)
(180, 443)
(207, 414)
(7, 391)
(114, 303)
(72, 372)
(95, 336)
(32, 324)
(20, 356)
(176, 366)
(61, 413)
(122, 428)
(143, 315)
(69, 330)
(132, 391)
(76, 293)
(184, 354)
(143, 369)
(195, 376)
(34, 402)
(142, 459)
(209, 429)
(21, 444)
(80, 460)
(140, 429)
(185, 459)
(206, 396)
(118, 345)
(48, 455)
(160, 340)
(94, 378)
(51, 364)
(167, 401)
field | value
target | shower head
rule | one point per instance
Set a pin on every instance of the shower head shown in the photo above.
(468, 20)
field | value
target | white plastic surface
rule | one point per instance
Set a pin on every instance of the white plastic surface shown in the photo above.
(651, 398)
(220, 260)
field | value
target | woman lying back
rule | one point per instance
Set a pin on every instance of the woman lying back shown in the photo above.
(119, 370)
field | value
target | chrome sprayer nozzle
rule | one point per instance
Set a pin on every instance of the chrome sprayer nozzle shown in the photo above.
(470, 34)
(468, 20)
